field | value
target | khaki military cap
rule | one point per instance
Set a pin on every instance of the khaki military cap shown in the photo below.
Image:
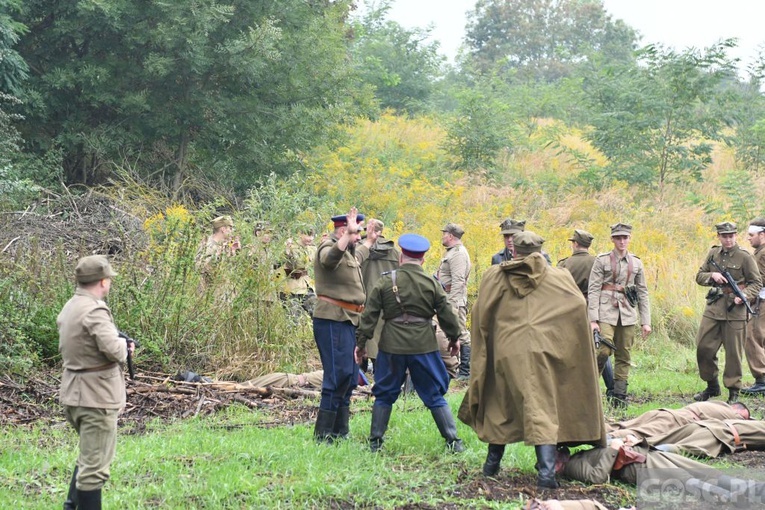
(454, 229)
(511, 226)
(222, 221)
(93, 268)
(528, 242)
(582, 238)
(621, 229)
(726, 227)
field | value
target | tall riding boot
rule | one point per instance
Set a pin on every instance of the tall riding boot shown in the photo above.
(325, 424)
(89, 500)
(380, 419)
(619, 398)
(491, 466)
(463, 372)
(71, 498)
(448, 428)
(341, 428)
(732, 395)
(608, 377)
(712, 390)
(546, 456)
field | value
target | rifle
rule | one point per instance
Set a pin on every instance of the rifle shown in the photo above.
(733, 285)
(600, 340)
(128, 340)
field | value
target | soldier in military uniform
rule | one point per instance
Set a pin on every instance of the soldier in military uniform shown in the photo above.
(508, 228)
(221, 242)
(453, 273)
(340, 301)
(616, 292)
(297, 288)
(723, 323)
(406, 299)
(712, 438)
(383, 257)
(754, 346)
(579, 264)
(92, 385)
(534, 373)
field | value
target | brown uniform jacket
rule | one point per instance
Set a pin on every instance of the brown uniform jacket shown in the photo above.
(712, 438)
(87, 340)
(338, 276)
(453, 274)
(579, 264)
(533, 371)
(659, 421)
(743, 268)
(609, 306)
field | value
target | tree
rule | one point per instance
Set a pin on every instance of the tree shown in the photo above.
(399, 63)
(654, 120)
(545, 39)
(224, 91)
(13, 68)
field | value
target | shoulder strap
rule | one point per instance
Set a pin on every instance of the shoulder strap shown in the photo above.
(395, 291)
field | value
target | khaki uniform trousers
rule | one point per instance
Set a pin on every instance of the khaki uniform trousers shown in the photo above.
(754, 347)
(622, 337)
(713, 334)
(452, 363)
(462, 313)
(97, 429)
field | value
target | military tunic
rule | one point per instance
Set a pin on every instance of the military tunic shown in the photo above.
(659, 421)
(92, 385)
(579, 264)
(453, 274)
(338, 277)
(502, 256)
(383, 257)
(754, 346)
(712, 438)
(534, 376)
(720, 327)
(608, 306)
(408, 340)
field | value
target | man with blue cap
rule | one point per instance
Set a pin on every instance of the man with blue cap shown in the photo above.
(340, 301)
(406, 299)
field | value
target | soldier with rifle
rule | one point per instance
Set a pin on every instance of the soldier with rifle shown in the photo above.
(734, 278)
(92, 385)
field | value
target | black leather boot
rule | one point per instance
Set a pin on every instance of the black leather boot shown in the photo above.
(546, 456)
(491, 466)
(380, 419)
(463, 372)
(757, 388)
(325, 424)
(341, 428)
(732, 395)
(712, 390)
(608, 377)
(71, 498)
(619, 397)
(448, 428)
(89, 500)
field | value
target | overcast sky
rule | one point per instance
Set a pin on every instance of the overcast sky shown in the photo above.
(676, 23)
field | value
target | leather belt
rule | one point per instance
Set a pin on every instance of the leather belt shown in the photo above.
(406, 318)
(611, 286)
(728, 290)
(736, 437)
(353, 307)
(99, 368)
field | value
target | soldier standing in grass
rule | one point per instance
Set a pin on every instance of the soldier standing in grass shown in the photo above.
(534, 373)
(723, 323)
(616, 292)
(221, 242)
(92, 385)
(406, 299)
(383, 257)
(579, 264)
(453, 273)
(340, 301)
(754, 346)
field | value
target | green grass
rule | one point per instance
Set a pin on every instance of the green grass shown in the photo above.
(238, 459)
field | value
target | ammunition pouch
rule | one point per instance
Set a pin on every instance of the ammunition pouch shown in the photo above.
(713, 295)
(630, 292)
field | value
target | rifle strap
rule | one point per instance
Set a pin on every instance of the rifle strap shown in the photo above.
(395, 292)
